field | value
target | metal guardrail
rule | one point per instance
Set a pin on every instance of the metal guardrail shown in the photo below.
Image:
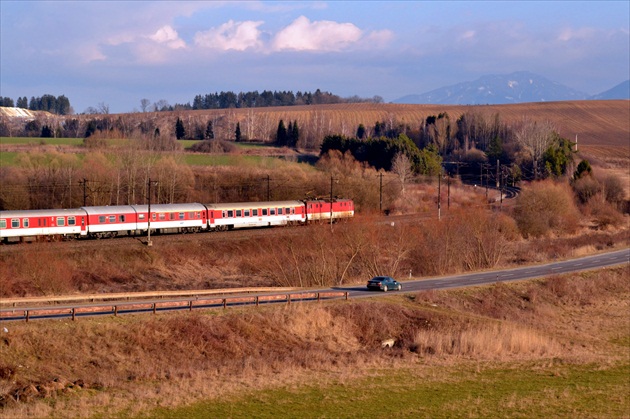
(57, 299)
(13, 314)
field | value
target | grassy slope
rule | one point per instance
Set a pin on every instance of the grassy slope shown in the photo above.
(555, 347)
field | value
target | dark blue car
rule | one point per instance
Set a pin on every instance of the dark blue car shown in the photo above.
(384, 283)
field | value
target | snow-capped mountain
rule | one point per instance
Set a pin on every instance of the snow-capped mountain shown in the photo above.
(517, 87)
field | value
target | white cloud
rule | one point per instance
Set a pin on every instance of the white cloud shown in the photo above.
(237, 36)
(323, 35)
(569, 34)
(168, 36)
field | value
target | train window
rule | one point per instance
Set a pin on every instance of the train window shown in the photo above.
(140, 216)
(264, 211)
(60, 221)
(255, 213)
(172, 216)
(153, 215)
(15, 223)
(101, 219)
(3, 223)
(224, 214)
(246, 213)
(25, 223)
(71, 221)
(238, 213)
(181, 216)
(279, 211)
(121, 218)
(112, 218)
(230, 214)
(272, 211)
(162, 216)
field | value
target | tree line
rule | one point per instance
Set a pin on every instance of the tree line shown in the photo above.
(58, 105)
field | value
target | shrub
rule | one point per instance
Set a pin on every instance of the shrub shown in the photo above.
(585, 188)
(213, 146)
(614, 190)
(546, 207)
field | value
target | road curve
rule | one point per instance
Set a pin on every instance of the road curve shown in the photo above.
(585, 263)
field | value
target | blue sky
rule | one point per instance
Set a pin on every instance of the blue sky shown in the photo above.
(119, 52)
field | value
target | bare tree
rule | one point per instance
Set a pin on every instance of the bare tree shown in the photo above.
(144, 104)
(534, 138)
(401, 166)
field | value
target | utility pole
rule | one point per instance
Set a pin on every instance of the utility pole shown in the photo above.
(440, 193)
(497, 173)
(149, 243)
(448, 206)
(380, 202)
(332, 179)
(84, 182)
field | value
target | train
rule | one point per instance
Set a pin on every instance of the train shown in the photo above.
(132, 220)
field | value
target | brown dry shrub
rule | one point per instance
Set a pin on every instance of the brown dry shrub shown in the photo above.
(545, 207)
(604, 214)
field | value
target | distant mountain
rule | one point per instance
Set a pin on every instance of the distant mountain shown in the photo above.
(620, 91)
(517, 87)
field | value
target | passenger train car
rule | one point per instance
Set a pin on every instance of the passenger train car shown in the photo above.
(130, 220)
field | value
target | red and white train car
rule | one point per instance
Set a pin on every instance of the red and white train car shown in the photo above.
(255, 214)
(110, 221)
(61, 222)
(172, 218)
(321, 210)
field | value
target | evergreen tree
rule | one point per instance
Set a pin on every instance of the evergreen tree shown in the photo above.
(47, 132)
(22, 102)
(237, 132)
(209, 131)
(180, 131)
(295, 134)
(281, 135)
(361, 132)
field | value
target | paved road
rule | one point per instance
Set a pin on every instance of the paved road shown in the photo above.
(616, 258)
(619, 257)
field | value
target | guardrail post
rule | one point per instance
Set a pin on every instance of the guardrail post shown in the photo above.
(346, 295)
(256, 301)
(115, 311)
(318, 297)
(288, 299)
(28, 314)
(73, 314)
(190, 304)
(225, 303)
(154, 306)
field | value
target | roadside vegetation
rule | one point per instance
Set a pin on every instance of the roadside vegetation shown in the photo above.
(557, 345)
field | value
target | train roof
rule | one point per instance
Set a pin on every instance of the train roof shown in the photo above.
(170, 207)
(109, 209)
(42, 213)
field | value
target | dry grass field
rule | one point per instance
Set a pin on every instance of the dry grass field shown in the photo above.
(213, 364)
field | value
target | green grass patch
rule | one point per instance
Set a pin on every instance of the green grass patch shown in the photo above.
(40, 141)
(232, 160)
(7, 158)
(565, 391)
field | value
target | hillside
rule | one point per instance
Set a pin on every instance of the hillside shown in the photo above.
(595, 122)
